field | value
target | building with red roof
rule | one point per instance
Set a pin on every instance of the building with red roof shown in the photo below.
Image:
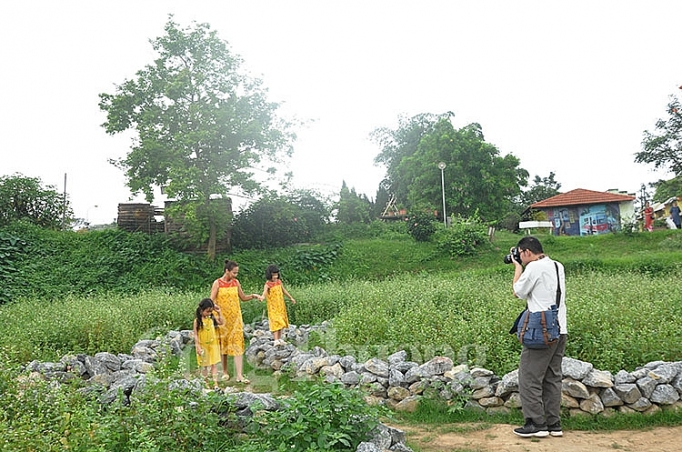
(588, 212)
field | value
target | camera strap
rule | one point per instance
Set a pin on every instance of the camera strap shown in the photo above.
(558, 286)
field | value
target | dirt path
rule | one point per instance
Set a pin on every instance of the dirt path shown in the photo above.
(499, 438)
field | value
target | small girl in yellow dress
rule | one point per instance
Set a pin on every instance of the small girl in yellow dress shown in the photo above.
(205, 338)
(274, 292)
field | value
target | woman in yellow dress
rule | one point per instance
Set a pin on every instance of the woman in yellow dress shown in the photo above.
(226, 293)
(205, 338)
(274, 292)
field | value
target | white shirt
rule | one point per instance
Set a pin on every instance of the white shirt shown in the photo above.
(537, 285)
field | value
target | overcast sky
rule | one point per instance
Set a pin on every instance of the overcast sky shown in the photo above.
(567, 87)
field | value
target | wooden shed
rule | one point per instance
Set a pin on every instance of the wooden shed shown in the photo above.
(139, 217)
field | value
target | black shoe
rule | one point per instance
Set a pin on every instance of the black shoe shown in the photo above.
(532, 430)
(555, 429)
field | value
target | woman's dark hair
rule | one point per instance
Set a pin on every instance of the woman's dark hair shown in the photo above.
(229, 265)
(272, 269)
(204, 304)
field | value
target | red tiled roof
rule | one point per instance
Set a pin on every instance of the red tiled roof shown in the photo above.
(580, 196)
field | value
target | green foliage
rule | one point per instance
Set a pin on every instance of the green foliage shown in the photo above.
(25, 199)
(36, 415)
(275, 222)
(318, 417)
(542, 188)
(353, 208)
(11, 250)
(464, 237)
(103, 322)
(421, 226)
(510, 221)
(666, 189)
(663, 147)
(200, 125)
(51, 264)
(159, 419)
(475, 176)
(466, 316)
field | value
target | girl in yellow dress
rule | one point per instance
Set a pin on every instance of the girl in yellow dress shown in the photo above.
(205, 338)
(226, 293)
(274, 292)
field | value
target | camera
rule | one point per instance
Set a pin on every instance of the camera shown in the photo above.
(514, 254)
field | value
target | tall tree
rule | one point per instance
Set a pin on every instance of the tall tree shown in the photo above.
(399, 144)
(25, 198)
(353, 208)
(200, 126)
(476, 177)
(542, 188)
(663, 147)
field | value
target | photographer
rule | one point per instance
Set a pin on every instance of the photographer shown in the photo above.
(540, 369)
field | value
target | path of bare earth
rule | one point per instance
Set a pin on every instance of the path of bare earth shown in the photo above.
(499, 438)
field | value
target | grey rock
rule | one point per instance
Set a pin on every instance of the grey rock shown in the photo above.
(574, 388)
(598, 379)
(610, 398)
(665, 373)
(628, 392)
(575, 369)
(381, 437)
(641, 405)
(367, 447)
(377, 367)
(351, 378)
(395, 377)
(623, 377)
(647, 386)
(664, 394)
(397, 358)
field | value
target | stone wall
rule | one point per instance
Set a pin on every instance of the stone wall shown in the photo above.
(394, 381)
(400, 383)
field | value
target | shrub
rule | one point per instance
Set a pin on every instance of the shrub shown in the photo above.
(421, 226)
(462, 238)
(320, 417)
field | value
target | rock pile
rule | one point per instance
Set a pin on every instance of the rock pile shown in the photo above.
(400, 383)
(394, 381)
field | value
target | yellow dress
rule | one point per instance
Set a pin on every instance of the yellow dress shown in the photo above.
(208, 341)
(231, 332)
(277, 310)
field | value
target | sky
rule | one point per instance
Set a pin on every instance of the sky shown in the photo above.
(567, 87)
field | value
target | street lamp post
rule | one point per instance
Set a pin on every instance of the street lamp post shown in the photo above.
(441, 165)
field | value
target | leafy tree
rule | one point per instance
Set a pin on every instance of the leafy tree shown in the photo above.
(402, 143)
(200, 126)
(25, 199)
(663, 147)
(666, 189)
(381, 200)
(476, 176)
(314, 210)
(353, 208)
(542, 188)
(277, 221)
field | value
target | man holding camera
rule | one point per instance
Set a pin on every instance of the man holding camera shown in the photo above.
(542, 283)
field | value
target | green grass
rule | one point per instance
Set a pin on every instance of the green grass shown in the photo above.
(383, 294)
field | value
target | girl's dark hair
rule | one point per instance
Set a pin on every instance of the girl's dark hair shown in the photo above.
(229, 265)
(272, 269)
(204, 304)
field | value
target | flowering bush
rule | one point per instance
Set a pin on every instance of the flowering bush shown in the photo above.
(421, 226)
